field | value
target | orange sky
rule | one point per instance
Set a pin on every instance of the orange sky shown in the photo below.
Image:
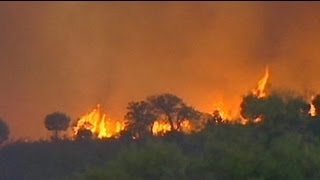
(69, 56)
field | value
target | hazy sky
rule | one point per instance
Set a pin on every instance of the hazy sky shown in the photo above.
(69, 56)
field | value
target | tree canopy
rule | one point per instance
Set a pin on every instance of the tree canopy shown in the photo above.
(168, 107)
(57, 122)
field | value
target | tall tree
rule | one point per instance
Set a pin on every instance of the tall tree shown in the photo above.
(57, 122)
(187, 113)
(140, 117)
(4, 131)
(172, 108)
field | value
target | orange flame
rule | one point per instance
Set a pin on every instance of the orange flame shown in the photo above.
(99, 125)
(102, 127)
(312, 111)
(260, 90)
(161, 127)
(224, 111)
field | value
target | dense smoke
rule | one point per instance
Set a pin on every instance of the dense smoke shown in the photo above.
(70, 56)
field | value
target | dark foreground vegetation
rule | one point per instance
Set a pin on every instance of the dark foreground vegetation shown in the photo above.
(284, 145)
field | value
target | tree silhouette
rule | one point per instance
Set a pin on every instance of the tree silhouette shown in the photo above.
(84, 134)
(251, 107)
(4, 131)
(277, 110)
(57, 122)
(171, 107)
(187, 113)
(140, 118)
(141, 115)
(215, 118)
(297, 110)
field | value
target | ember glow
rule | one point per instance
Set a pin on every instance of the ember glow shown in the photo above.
(99, 124)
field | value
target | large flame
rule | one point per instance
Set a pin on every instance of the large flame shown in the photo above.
(103, 127)
(260, 91)
(99, 125)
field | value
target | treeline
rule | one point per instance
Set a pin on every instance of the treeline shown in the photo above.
(279, 141)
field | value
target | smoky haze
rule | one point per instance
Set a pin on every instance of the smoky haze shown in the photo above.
(69, 56)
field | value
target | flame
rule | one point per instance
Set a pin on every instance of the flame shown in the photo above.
(99, 125)
(260, 90)
(161, 127)
(103, 127)
(312, 111)
(224, 111)
(186, 126)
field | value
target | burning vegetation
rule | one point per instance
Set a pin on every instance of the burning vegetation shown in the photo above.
(260, 91)
(98, 124)
(166, 113)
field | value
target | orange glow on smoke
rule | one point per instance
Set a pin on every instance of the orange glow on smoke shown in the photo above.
(224, 111)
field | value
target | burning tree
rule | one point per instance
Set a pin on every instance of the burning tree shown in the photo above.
(167, 107)
(172, 113)
(140, 118)
(160, 114)
(276, 110)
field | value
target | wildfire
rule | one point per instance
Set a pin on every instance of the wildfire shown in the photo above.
(161, 127)
(312, 108)
(260, 90)
(223, 111)
(103, 127)
(99, 125)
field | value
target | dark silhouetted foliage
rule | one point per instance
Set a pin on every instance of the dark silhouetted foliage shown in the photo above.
(156, 161)
(284, 144)
(142, 115)
(141, 118)
(167, 106)
(4, 131)
(84, 134)
(57, 122)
